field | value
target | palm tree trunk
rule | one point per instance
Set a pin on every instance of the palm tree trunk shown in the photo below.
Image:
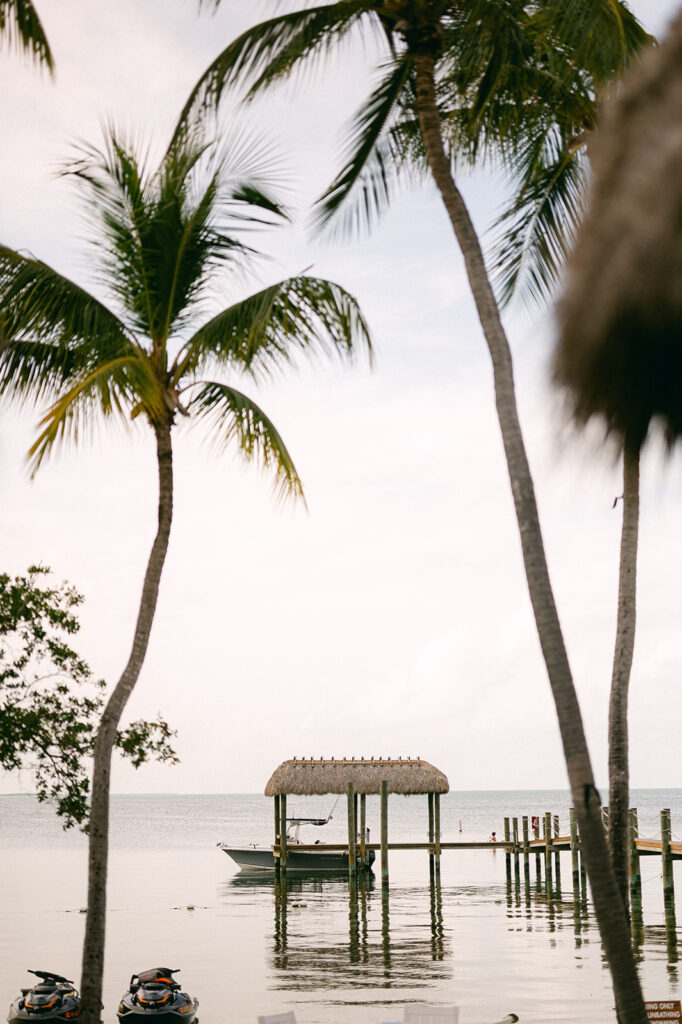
(95, 924)
(608, 906)
(619, 780)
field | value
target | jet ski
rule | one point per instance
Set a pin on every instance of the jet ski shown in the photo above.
(156, 995)
(54, 998)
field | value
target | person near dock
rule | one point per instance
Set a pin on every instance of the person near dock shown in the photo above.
(493, 838)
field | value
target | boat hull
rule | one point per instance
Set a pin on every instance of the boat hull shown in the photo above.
(251, 858)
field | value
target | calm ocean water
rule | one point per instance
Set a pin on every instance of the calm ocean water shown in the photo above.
(250, 946)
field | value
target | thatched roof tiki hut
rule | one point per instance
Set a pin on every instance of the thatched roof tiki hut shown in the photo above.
(620, 350)
(356, 777)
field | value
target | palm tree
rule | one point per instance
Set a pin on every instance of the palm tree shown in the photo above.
(431, 46)
(619, 758)
(21, 28)
(620, 362)
(544, 152)
(162, 237)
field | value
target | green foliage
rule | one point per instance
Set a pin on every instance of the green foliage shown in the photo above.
(20, 27)
(49, 703)
(517, 86)
(163, 236)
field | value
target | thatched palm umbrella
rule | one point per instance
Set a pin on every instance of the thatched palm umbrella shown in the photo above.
(620, 350)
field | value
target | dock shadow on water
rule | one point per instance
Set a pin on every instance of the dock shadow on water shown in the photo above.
(332, 937)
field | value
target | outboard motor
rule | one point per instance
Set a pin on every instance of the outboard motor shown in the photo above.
(156, 994)
(54, 998)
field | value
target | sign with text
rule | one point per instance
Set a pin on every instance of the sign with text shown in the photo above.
(664, 1011)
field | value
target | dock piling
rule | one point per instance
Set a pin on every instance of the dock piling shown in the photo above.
(666, 856)
(536, 835)
(431, 836)
(507, 855)
(276, 843)
(635, 871)
(363, 830)
(283, 833)
(557, 856)
(352, 833)
(526, 863)
(547, 829)
(436, 826)
(515, 839)
(384, 832)
(575, 862)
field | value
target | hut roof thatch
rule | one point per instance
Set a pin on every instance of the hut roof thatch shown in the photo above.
(620, 352)
(317, 776)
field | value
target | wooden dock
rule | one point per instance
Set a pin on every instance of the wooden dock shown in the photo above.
(537, 838)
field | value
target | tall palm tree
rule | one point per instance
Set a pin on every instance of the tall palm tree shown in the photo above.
(20, 27)
(620, 362)
(537, 121)
(626, 620)
(162, 237)
(428, 45)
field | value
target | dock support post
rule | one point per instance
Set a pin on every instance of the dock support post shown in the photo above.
(666, 857)
(283, 833)
(583, 872)
(575, 866)
(668, 887)
(431, 836)
(352, 833)
(536, 835)
(276, 842)
(515, 837)
(557, 857)
(363, 830)
(635, 871)
(436, 828)
(507, 855)
(548, 850)
(526, 865)
(384, 832)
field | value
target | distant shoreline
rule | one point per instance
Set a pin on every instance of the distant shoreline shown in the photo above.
(452, 792)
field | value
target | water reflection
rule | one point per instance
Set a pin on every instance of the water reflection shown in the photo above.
(323, 935)
(543, 906)
(328, 935)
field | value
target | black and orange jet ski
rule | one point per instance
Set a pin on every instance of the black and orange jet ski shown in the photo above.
(54, 998)
(156, 995)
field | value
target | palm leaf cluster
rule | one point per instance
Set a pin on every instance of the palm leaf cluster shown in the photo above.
(21, 29)
(162, 239)
(517, 85)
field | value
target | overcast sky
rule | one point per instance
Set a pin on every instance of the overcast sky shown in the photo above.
(392, 617)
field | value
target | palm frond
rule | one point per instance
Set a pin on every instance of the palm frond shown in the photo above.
(52, 328)
(264, 331)
(165, 231)
(111, 388)
(537, 230)
(21, 28)
(251, 173)
(270, 50)
(366, 183)
(603, 35)
(235, 418)
(505, 78)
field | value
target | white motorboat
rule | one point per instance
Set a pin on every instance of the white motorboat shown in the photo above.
(261, 858)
